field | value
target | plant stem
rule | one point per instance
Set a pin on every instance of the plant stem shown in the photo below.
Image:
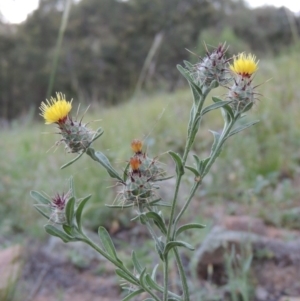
(120, 266)
(185, 288)
(166, 266)
(213, 157)
(216, 153)
(194, 125)
(192, 193)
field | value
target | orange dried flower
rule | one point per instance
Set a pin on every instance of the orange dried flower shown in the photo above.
(136, 146)
(135, 163)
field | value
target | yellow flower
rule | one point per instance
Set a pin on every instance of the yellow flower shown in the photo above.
(244, 65)
(56, 110)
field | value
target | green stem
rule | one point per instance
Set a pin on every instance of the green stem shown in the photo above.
(185, 287)
(212, 159)
(166, 267)
(119, 265)
(194, 125)
(166, 274)
(192, 193)
(216, 153)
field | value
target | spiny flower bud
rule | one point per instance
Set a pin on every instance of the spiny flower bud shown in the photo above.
(242, 91)
(242, 95)
(213, 67)
(140, 187)
(58, 204)
(76, 135)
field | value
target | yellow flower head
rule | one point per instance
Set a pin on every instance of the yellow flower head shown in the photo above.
(56, 110)
(244, 65)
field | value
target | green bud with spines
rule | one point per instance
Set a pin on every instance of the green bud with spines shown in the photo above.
(76, 136)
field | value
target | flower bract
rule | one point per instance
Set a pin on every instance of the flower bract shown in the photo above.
(56, 110)
(244, 65)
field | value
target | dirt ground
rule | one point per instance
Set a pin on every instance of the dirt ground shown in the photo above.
(55, 271)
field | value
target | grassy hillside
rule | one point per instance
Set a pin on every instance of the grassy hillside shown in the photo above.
(259, 167)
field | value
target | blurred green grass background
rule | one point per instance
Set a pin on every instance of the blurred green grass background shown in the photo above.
(258, 167)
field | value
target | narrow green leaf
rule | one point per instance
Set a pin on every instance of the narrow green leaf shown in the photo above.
(215, 106)
(160, 246)
(70, 211)
(142, 277)
(160, 203)
(108, 243)
(58, 233)
(149, 299)
(39, 197)
(216, 141)
(125, 173)
(125, 276)
(178, 162)
(196, 90)
(188, 64)
(136, 263)
(226, 108)
(163, 179)
(133, 294)
(103, 160)
(216, 99)
(157, 220)
(191, 120)
(41, 211)
(197, 159)
(193, 170)
(153, 284)
(187, 227)
(172, 244)
(247, 107)
(68, 230)
(71, 187)
(79, 210)
(72, 161)
(242, 127)
(185, 73)
(153, 275)
(154, 202)
(203, 164)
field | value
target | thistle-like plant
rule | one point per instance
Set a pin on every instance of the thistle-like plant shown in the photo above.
(142, 177)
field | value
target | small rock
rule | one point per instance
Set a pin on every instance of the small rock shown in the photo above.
(261, 293)
(245, 224)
